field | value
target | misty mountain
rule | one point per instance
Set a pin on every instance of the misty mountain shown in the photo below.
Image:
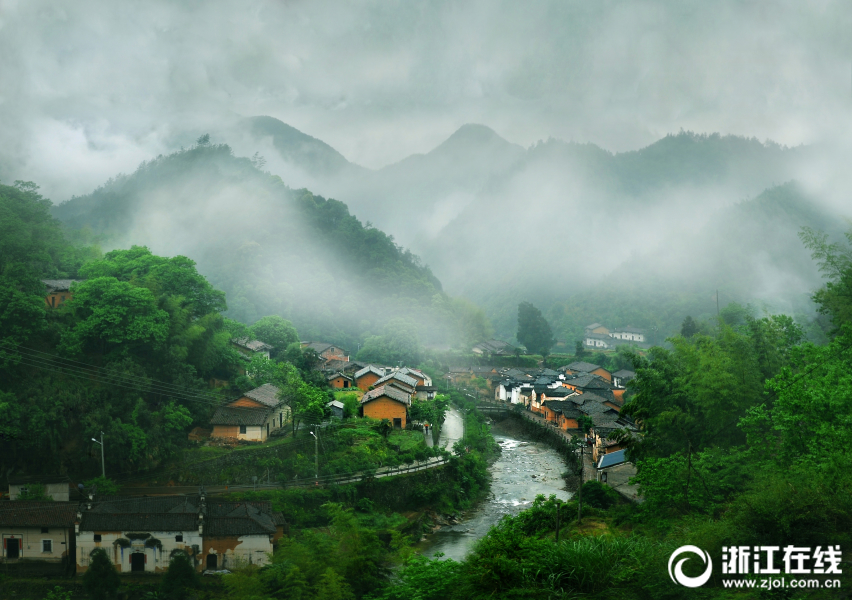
(272, 249)
(313, 156)
(750, 252)
(500, 224)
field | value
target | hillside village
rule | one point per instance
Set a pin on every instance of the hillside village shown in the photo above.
(579, 399)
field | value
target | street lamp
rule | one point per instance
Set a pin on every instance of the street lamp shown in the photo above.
(103, 466)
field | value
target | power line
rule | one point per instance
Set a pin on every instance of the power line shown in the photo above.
(137, 384)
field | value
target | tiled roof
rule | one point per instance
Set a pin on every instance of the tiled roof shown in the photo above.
(59, 285)
(336, 375)
(320, 347)
(240, 415)
(336, 404)
(253, 345)
(23, 513)
(266, 394)
(599, 336)
(388, 391)
(102, 521)
(238, 518)
(409, 381)
(594, 326)
(589, 381)
(624, 374)
(369, 369)
(628, 330)
(566, 408)
(582, 366)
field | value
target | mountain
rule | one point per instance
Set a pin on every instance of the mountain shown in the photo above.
(314, 156)
(272, 249)
(500, 224)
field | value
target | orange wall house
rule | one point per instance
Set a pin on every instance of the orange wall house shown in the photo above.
(387, 403)
(601, 372)
(341, 381)
(364, 382)
(58, 291)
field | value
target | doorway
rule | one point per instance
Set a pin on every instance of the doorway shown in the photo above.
(13, 547)
(211, 562)
(137, 562)
(397, 423)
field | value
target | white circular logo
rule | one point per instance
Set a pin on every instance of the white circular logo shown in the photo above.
(685, 580)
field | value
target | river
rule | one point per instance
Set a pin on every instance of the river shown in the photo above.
(524, 470)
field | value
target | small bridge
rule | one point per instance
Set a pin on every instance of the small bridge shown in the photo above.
(495, 408)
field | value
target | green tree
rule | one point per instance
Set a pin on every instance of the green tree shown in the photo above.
(333, 587)
(579, 350)
(100, 581)
(35, 492)
(180, 577)
(689, 327)
(534, 331)
(275, 331)
(112, 315)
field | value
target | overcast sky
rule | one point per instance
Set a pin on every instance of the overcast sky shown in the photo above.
(88, 89)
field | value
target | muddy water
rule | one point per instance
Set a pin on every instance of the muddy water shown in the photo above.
(524, 469)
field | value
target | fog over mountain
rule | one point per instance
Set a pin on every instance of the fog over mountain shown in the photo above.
(524, 152)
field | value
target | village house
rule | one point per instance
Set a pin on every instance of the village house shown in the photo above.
(337, 409)
(38, 531)
(141, 534)
(621, 377)
(628, 333)
(494, 348)
(597, 328)
(56, 488)
(340, 381)
(387, 402)
(398, 380)
(368, 376)
(419, 376)
(563, 413)
(58, 291)
(598, 341)
(327, 351)
(581, 367)
(251, 417)
(248, 347)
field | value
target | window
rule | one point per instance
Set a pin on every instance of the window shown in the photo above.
(178, 538)
(242, 428)
(47, 545)
(97, 537)
(44, 529)
(24, 490)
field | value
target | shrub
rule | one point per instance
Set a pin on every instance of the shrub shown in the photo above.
(180, 576)
(100, 581)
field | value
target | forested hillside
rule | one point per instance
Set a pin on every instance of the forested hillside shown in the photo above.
(274, 250)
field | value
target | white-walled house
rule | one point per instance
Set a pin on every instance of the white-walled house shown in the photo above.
(628, 333)
(37, 531)
(601, 341)
(142, 534)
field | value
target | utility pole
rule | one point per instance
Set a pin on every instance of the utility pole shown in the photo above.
(316, 455)
(103, 465)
